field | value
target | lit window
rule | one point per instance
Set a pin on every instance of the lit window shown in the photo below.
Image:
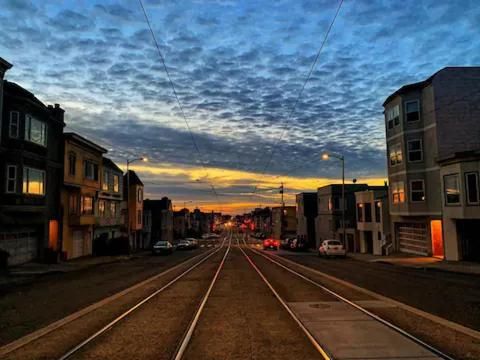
(471, 184)
(86, 205)
(452, 189)
(116, 184)
(139, 195)
(14, 127)
(113, 209)
(393, 116)
(417, 191)
(398, 192)
(11, 179)
(33, 181)
(105, 180)
(35, 131)
(396, 156)
(90, 170)
(360, 212)
(415, 152)
(412, 110)
(101, 208)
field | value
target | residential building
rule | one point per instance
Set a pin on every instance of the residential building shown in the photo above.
(133, 194)
(109, 227)
(83, 165)
(329, 218)
(262, 220)
(306, 214)
(373, 221)
(284, 222)
(181, 223)
(161, 228)
(427, 124)
(31, 163)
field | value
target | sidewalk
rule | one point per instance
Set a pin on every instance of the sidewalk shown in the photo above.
(21, 273)
(421, 262)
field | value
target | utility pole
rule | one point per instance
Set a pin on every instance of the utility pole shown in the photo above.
(282, 211)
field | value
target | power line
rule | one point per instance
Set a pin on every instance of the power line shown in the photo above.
(192, 137)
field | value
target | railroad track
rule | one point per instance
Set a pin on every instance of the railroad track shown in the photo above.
(322, 350)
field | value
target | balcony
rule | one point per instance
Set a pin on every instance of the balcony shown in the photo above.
(80, 220)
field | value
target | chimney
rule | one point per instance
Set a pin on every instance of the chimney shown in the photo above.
(4, 66)
(57, 112)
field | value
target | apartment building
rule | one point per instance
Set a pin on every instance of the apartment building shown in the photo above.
(79, 195)
(432, 132)
(133, 194)
(161, 227)
(31, 168)
(109, 225)
(284, 222)
(373, 221)
(306, 214)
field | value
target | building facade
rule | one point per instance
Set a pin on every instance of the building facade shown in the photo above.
(284, 222)
(373, 221)
(79, 195)
(161, 213)
(426, 122)
(133, 195)
(181, 223)
(31, 164)
(306, 214)
(109, 226)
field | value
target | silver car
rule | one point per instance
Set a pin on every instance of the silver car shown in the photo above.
(332, 248)
(162, 247)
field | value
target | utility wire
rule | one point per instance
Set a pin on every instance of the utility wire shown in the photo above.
(192, 137)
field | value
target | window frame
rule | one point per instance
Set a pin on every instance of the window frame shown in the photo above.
(28, 130)
(467, 188)
(417, 191)
(26, 174)
(378, 211)
(139, 217)
(106, 180)
(82, 205)
(9, 179)
(116, 183)
(393, 121)
(360, 213)
(102, 204)
(395, 186)
(17, 125)
(421, 151)
(456, 175)
(72, 155)
(396, 148)
(113, 209)
(368, 218)
(139, 195)
(417, 101)
(95, 168)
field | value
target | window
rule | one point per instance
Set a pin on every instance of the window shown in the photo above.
(393, 116)
(35, 131)
(73, 204)
(14, 127)
(368, 212)
(116, 183)
(33, 181)
(398, 192)
(72, 162)
(378, 211)
(471, 184)
(105, 180)
(87, 205)
(452, 189)
(113, 209)
(396, 156)
(101, 208)
(417, 190)
(90, 170)
(412, 110)
(139, 217)
(415, 151)
(11, 179)
(139, 195)
(360, 212)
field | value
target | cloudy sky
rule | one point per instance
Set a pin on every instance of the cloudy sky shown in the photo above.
(238, 67)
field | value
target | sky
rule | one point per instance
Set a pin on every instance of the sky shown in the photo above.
(238, 68)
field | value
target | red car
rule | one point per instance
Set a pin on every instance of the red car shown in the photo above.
(271, 244)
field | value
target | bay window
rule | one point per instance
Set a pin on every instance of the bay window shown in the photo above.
(451, 189)
(35, 131)
(33, 181)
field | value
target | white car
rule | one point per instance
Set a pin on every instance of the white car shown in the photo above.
(162, 247)
(332, 248)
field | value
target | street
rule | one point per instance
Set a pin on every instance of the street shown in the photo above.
(232, 301)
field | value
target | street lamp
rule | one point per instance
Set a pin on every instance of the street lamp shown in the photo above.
(327, 156)
(129, 161)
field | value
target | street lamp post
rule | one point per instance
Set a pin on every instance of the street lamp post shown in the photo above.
(327, 156)
(129, 161)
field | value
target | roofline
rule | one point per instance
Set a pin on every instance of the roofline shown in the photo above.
(5, 64)
(84, 141)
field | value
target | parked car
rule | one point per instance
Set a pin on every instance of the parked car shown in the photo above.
(271, 244)
(332, 248)
(184, 244)
(193, 242)
(162, 247)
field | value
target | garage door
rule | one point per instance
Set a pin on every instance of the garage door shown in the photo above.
(77, 244)
(412, 238)
(22, 246)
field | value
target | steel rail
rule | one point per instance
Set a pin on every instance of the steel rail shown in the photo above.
(356, 306)
(323, 352)
(191, 328)
(112, 323)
